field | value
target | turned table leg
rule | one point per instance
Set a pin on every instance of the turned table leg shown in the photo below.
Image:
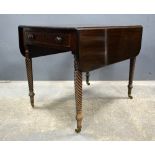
(78, 95)
(28, 62)
(131, 74)
(87, 78)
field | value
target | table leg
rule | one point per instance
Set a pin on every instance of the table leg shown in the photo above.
(131, 74)
(78, 95)
(87, 78)
(29, 70)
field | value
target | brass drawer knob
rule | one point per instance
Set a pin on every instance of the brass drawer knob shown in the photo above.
(58, 39)
(30, 36)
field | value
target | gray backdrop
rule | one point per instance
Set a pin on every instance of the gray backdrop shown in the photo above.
(60, 67)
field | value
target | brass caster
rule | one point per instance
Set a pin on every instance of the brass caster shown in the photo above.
(130, 97)
(32, 105)
(32, 102)
(31, 94)
(88, 83)
(78, 130)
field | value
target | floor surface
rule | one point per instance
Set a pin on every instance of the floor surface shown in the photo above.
(108, 113)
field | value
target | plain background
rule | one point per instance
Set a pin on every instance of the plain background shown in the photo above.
(60, 67)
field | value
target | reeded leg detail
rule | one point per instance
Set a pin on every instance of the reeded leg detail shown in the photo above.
(87, 78)
(78, 95)
(28, 62)
(131, 74)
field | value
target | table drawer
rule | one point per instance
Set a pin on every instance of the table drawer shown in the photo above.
(47, 38)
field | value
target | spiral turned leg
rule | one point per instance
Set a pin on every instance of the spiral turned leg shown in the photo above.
(28, 62)
(131, 75)
(78, 96)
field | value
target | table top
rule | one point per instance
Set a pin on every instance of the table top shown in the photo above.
(79, 27)
(93, 46)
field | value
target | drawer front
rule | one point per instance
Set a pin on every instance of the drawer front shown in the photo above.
(47, 38)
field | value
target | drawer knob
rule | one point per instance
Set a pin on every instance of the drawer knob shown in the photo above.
(58, 39)
(30, 36)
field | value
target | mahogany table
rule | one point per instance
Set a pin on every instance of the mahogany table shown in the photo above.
(92, 47)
